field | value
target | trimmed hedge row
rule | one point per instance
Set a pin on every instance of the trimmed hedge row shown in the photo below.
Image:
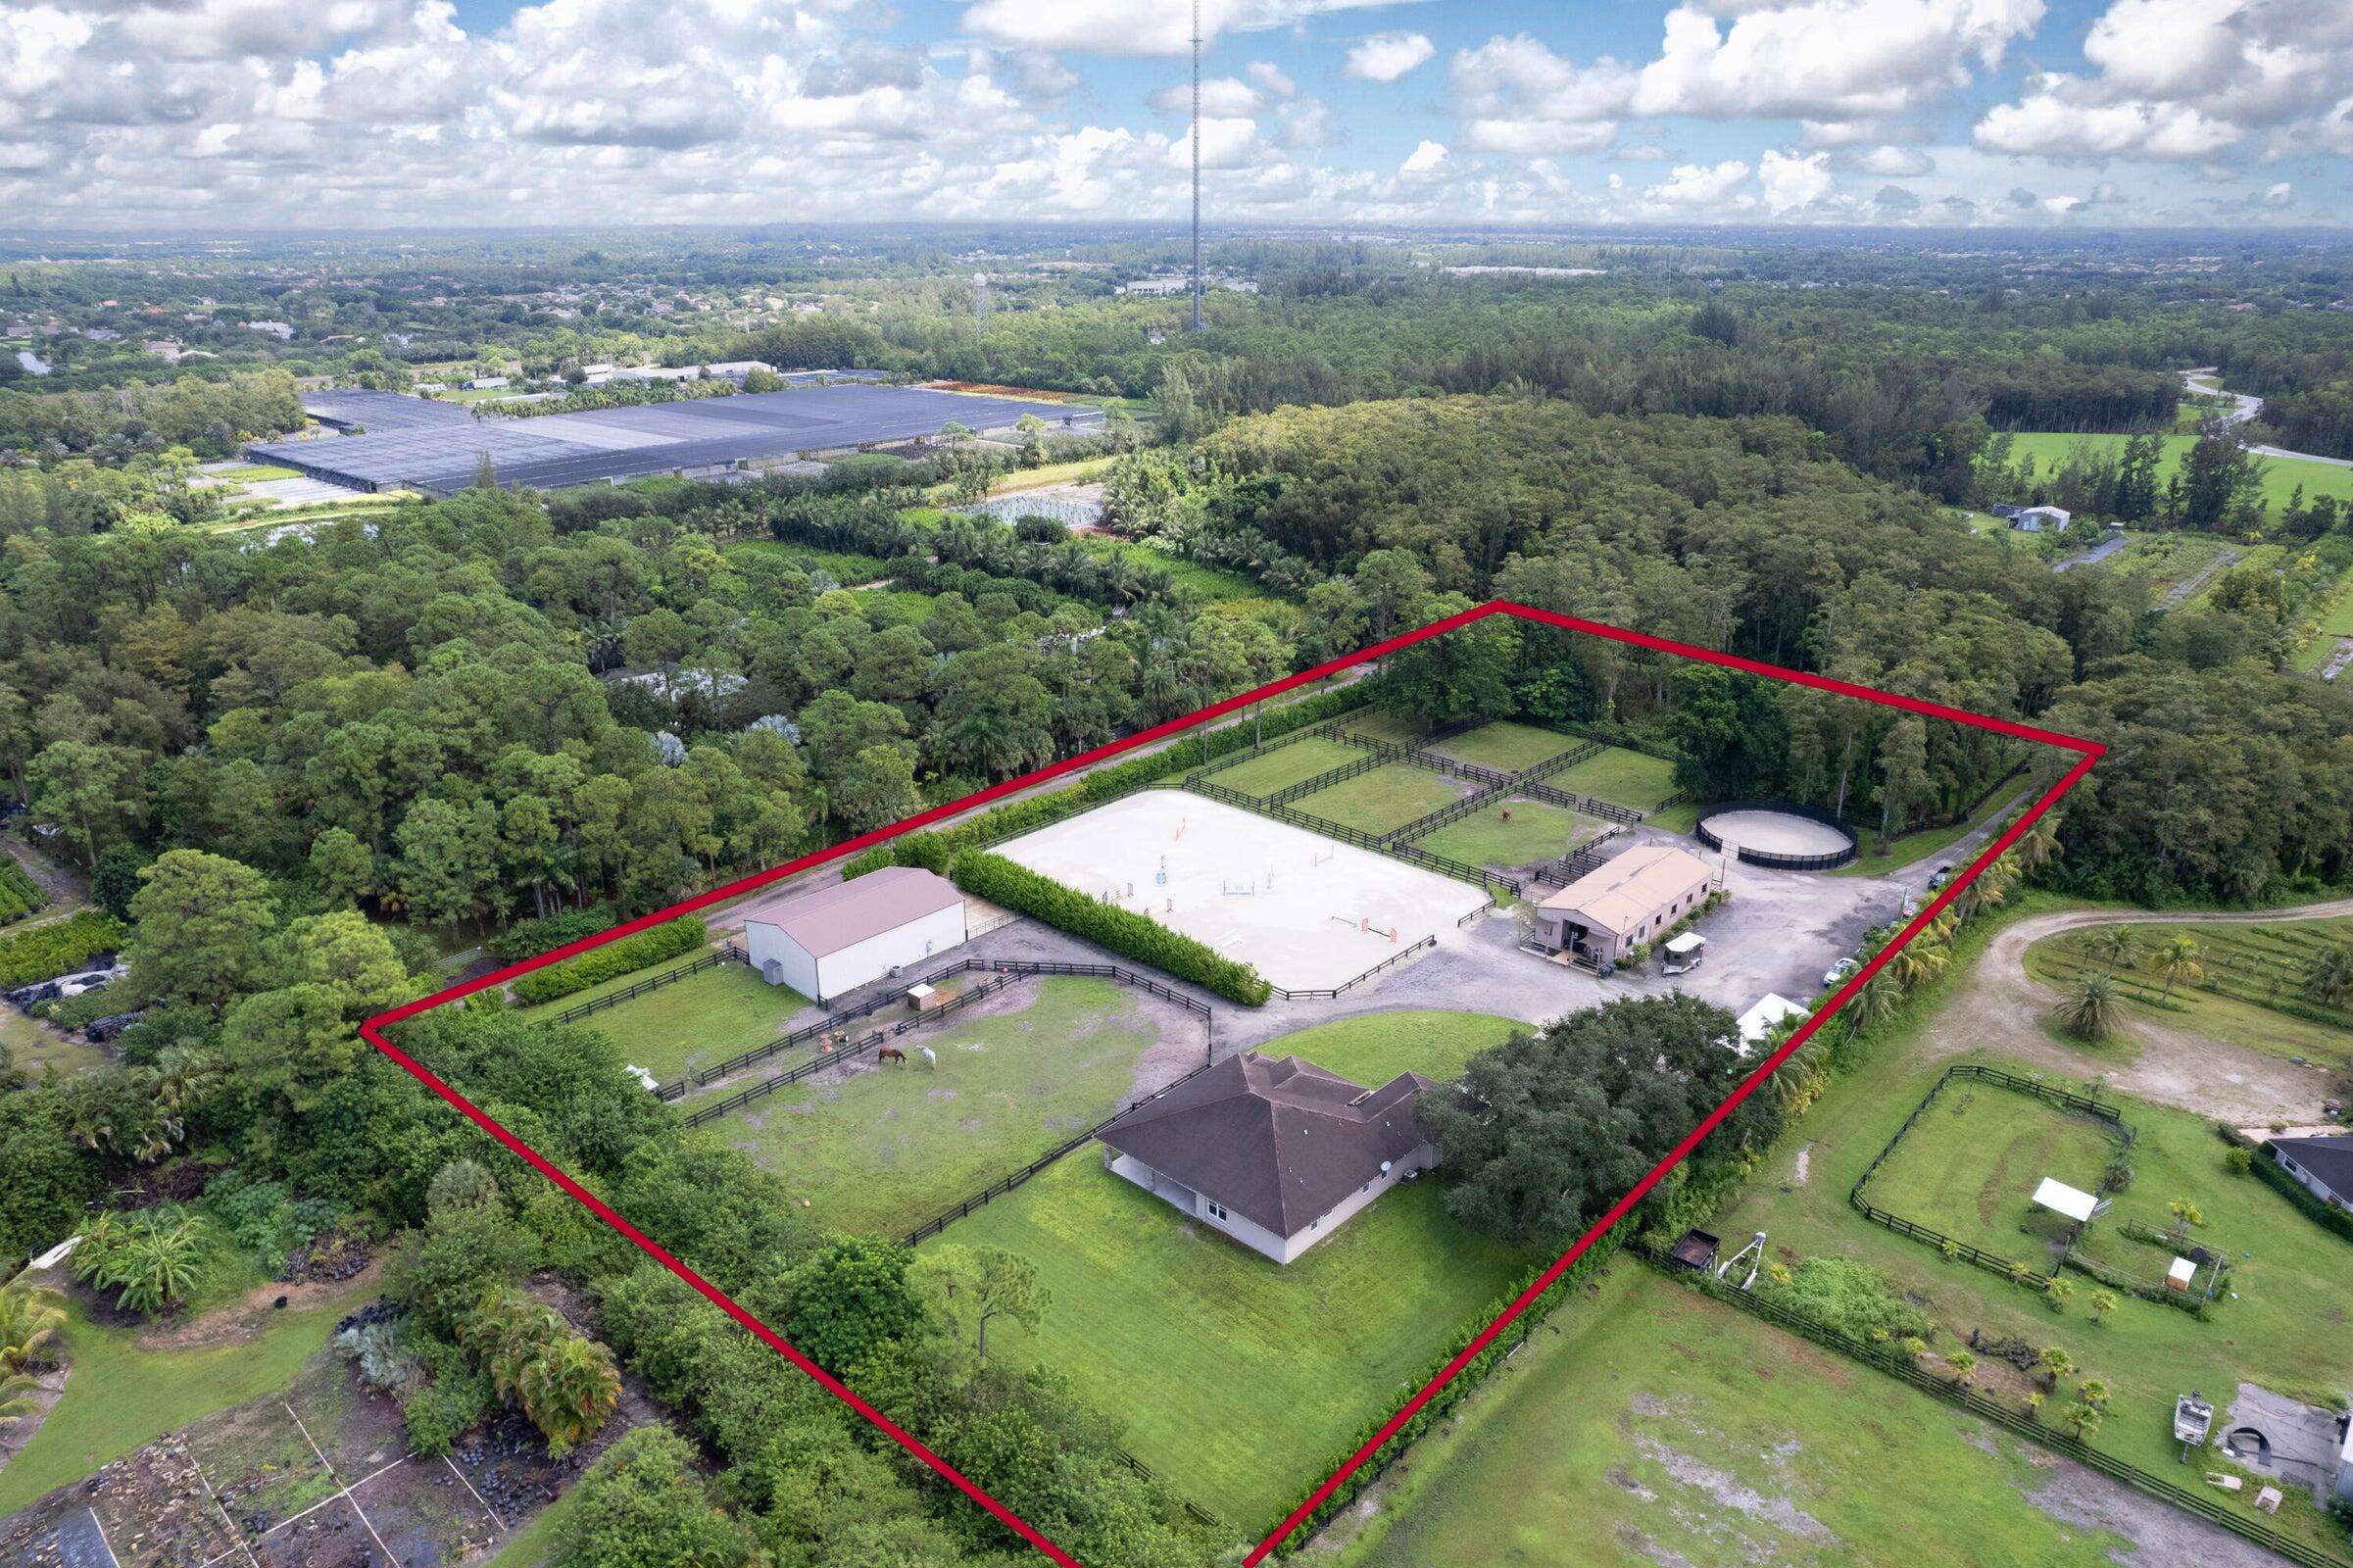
(48, 950)
(2266, 1168)
(1441, 1403)
(1016, 887)
(936, 850)
(599, 964)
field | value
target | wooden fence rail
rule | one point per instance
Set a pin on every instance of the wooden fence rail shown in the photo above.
(730, 954)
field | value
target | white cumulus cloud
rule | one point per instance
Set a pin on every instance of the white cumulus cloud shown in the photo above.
(1388, 56)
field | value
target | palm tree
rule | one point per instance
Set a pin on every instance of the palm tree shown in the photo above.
(2178, 960)
(1963, 1365)
(568, 1390)
(154, 1265)
(2057, 1363)
(16, 1397)
(2083, 1420)
(1920, 960)
(2330, 975)
(2088, 1011)
(2103, 1305)
(29, 1317)
(2117, 945)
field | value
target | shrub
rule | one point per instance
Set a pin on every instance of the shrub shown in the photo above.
(1131, 935)
(599, 964)
(19, 894)
(528, 938)
(49, 951)
(444, 1408)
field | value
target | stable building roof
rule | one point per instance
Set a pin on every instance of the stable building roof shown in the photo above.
(849, 912)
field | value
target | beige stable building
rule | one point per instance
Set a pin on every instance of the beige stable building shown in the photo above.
(1634, 898)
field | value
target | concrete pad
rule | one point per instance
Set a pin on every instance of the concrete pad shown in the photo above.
(1776, 833)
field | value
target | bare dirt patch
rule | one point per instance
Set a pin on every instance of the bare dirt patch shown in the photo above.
(248, 1317)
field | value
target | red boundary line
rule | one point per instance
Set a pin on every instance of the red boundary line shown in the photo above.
(372, 1029)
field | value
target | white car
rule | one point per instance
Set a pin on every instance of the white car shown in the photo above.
(1838, 972)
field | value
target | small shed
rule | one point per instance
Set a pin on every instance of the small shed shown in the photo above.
(2180, 1274)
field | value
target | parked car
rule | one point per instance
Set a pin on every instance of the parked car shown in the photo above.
(1943, 876)
(1838, 972)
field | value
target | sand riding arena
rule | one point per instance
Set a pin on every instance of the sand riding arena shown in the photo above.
(1308, 912)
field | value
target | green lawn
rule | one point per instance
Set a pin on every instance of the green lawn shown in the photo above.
(1507, 746)
(2335, 621)
(2050, 451)
(1620, 777)
(1374, 1048)
(2253, 977)
(1648, 1424)
(1969, 1165)
(1388, 797)
(1286, 766)
(881, 1150)
(121, 1398)
(691, 1023)
(1237, 1378)
(1536, 832)
(1212, 583)
(2287, 1272)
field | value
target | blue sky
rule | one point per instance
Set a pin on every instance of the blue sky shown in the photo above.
(1992, 112)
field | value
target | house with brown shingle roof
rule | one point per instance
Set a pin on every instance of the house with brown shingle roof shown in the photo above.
(1274, 1151)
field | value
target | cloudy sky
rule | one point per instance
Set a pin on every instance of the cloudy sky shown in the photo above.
(174, 114)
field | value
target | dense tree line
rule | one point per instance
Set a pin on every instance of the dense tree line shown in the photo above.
(212, 419)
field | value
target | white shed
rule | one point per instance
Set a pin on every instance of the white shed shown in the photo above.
(835, 939)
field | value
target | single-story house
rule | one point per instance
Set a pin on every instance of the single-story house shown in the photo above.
(2034, 519)
(1275, 1152)
(835, 939)
(2323, 1164)
(1621, 901)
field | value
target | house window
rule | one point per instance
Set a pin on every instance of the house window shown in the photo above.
(1216, 1210)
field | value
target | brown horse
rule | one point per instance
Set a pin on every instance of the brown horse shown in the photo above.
(891, 1053)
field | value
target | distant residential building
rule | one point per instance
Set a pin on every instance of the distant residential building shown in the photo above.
(723, 370)
(1171, 286)
(2036, 519)
(282, 331)
(486, 383)
(162, 348)
(2325, 1165)
(101, 334)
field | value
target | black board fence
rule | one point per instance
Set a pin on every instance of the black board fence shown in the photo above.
(1322, 781)
(1346, 986)
(1009, 969)
(729, 953)
(1774, 860)
(2015, 1270)
(1005, 1184)
(1905, 1369)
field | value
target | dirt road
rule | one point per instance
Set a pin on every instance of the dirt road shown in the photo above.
(2002, 1008)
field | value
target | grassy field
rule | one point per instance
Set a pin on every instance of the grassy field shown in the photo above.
(1237, 1377)
(1648, 1424)
(1969, 1163)
(2335, 621)
(1620, 777)
(2051, 450)
(1288, 764)
(1388, 797)
(2254, 974)
(1212, 583)
(1381, 725)
(32, 1046)
(882, 1149)
(1507, 746)
(2287, 1273)
(696, 1022)
(1193, 1337)
(119, 1398)
(1536, 832)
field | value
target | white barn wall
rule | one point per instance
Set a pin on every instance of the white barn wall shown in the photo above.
(821, 979)
(766, 942)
